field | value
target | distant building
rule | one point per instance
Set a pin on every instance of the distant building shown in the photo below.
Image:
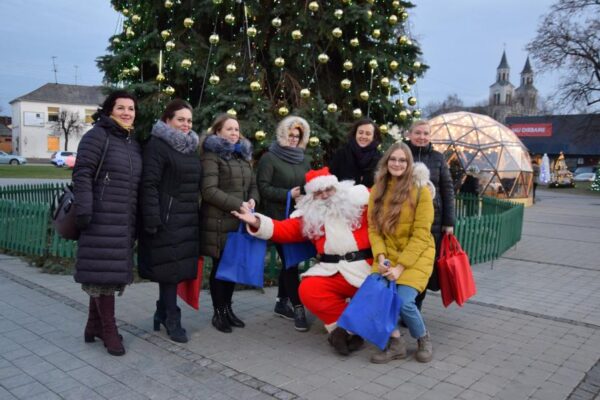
(34, 115)
(5, 134)
(506, 101)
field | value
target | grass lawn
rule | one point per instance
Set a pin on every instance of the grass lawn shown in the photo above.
(34, 171)
(580, 188)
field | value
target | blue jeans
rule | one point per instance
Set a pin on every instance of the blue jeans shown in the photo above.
(409, 313)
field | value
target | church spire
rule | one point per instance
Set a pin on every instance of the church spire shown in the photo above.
(527, 68)
(503, 62)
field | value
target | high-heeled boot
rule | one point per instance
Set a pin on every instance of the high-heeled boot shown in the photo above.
(93, 328)
(160, 316)
(232, 318)
(220, 321)
(110, 334)
(173, 326)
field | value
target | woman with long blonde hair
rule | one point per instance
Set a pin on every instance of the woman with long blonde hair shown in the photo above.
(400, 217)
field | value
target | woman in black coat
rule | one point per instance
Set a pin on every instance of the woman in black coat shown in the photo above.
(105, 183)
(419, 137)
(358, 158)
(168, 243)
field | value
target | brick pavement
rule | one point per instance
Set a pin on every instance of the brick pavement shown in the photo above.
(532, 332)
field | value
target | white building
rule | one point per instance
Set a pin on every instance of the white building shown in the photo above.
(35, 114)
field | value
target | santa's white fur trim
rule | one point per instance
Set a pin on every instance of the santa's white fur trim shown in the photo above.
(421, 177)
(330, 327)
(359, 195)
(321, 182)
(265, 230)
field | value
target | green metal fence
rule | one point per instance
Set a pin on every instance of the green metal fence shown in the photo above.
(486, 227)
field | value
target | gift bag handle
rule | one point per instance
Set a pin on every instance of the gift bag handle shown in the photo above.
(454, 245)
(288, 203)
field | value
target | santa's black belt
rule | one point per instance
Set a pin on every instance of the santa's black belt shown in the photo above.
(353, 256)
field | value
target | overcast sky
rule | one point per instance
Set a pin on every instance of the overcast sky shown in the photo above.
(462, 41)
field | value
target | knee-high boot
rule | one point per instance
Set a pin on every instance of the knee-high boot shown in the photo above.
(93, 328)
(110, 334)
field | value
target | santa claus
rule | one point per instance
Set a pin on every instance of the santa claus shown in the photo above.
(333, 216)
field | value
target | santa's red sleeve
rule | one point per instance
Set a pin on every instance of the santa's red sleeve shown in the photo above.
(286, 231)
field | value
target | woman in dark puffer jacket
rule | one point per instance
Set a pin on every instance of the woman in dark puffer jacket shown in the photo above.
(106, 210)
(419, 136)
(168, 243)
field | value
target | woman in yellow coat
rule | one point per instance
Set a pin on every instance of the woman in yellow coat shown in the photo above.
(400, 218)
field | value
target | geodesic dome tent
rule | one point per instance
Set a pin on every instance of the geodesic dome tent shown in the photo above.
(468, 139)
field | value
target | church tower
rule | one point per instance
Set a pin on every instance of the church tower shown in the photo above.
(526, 93)
(501, 92)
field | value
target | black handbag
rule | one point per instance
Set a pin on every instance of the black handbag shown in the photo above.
(63, 206)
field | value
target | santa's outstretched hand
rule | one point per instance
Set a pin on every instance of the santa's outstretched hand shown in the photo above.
(247, 215)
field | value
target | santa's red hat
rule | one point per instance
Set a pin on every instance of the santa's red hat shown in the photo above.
(319, 179)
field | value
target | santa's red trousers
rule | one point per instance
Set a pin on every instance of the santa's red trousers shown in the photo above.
(325, 296)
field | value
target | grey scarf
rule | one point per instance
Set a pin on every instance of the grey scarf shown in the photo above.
(179, 141)
(292, 155)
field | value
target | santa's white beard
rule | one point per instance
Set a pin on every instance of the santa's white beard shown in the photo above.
(316, 211)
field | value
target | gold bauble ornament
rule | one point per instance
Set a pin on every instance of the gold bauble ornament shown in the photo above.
(346, 83)
(217, 2)
(403, 80)
(376, 33)
(165, 34)
(373, 64)
(305, 93)
(402, 115)
(283, 111)
(394, 65)
(323, 58)
(252, 31)
(214, 38)
(232, 112)
(135, 70)
(168, 4)
(188, 22)
(255, 86)
(347, 2)
(276, 22)
(385, 81)
(371, 1)
(169, 90)
(314, 141)
(404, 16)
(231, 68)
(416, 114)
(313, 6)
(125, 71)
(135, 18)
(337, 33)
(354, 42)
(417, 65)
(369, 14)
(412, 101)
(406, 88)
(395, 4)
(160, 78)
(393, 19)
(338, 13)
(170, 45)
(279, 62)
(409, 42)
(214, 79)
(186, 63)
(260, 135)
(332, 107)
(230, 19)
(129, 33)
(125, 11)
(357, 113)
(348, 65)
(116, 40)
(412, 79)
(402, 40)
(364, 95)
(384, 129)
(400, 103)
(296, 34)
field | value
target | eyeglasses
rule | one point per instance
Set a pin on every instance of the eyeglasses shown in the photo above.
(394, 160)
(318, 193)
(294, 136)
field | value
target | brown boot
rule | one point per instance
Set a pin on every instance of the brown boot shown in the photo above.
(424, 352)
(338, 338)
(93, 328)
(395, 350)
(110, 334)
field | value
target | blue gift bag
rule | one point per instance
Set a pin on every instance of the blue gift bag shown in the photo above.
(374, 310)
(243, 259)
(295, 253)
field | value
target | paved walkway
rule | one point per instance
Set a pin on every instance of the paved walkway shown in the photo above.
(532, 332)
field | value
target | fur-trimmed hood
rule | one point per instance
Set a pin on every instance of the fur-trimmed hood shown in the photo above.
(284, 127)
(179, 141)
(421, 177)
(225, 149)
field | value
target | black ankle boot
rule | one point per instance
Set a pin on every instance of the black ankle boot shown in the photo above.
(232, 318)
(160, 316)
(173, 326)
(220, 321)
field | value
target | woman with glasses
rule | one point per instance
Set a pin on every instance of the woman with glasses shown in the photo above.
(281, 170)
(358, 158)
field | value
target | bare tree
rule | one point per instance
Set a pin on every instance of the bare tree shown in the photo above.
(68, 124)
(451, 103)
(568, 40)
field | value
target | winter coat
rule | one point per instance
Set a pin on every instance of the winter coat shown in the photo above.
(411, 244)
(443, 202)
(105, 248)
(344, 165)
(169, 204)
(227, 181)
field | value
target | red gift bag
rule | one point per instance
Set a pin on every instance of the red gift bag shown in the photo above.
(457, 272)
(189, 291)
(444, 277)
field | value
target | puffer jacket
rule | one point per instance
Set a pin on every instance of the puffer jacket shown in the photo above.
(169, 204)
(227, 181)
(443, 202)
(105, 248)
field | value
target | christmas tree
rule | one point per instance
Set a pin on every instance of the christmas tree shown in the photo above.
(330, 62)
(595, 186)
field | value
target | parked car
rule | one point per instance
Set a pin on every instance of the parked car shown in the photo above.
(585, 174)
(58, 158)
(11, 159)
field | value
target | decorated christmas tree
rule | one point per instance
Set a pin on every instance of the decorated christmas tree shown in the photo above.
(595, 186)
(328, 61)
